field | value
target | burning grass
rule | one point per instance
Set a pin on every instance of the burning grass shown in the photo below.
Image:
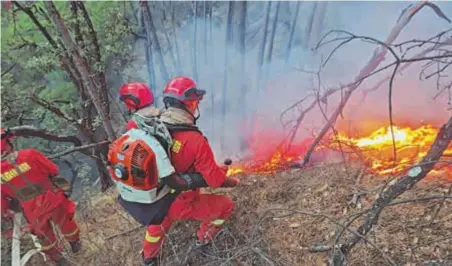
(264, 230)
(375, 150)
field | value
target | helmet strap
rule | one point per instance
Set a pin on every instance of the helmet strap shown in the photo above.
(195, 118)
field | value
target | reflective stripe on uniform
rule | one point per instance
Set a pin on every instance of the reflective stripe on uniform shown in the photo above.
(172, 191)
(218, 222)
(152, 239)
(72, 233)
(44, 248)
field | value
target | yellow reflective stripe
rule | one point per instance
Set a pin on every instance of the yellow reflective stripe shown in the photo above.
(152, 239)
(218, 222)
(44, 248)
(72, 233)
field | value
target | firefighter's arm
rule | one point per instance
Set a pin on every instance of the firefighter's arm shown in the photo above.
(185, 181)
(45, 163)
(205, 164)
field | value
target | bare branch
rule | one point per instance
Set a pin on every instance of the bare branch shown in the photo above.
(29, 131)
(79, 148)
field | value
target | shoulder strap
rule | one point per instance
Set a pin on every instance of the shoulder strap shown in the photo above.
(180, 127)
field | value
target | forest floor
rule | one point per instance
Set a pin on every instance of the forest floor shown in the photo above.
(268, 228)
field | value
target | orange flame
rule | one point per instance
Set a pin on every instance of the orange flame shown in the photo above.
(411, 146)
(376, 149)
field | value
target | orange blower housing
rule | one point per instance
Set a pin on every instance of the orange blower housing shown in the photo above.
(133, 163)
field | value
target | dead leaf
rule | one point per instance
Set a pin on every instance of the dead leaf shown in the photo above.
(294, 225)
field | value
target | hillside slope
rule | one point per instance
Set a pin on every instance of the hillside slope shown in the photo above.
(266, 230)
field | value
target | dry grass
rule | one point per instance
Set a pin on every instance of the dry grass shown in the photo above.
(409, 233)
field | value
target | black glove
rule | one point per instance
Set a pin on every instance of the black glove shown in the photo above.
(14, 205)
(185, 181)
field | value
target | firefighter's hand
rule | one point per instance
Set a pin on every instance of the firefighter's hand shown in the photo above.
(14, 205)
(230, 182)
(67, 193)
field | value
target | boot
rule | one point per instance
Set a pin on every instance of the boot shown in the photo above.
(76, 246)
(62, 262)
(149, 261)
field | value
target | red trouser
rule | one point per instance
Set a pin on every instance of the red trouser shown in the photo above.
(211, 210)
(43, 227)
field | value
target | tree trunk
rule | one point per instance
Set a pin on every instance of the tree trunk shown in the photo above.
(149, 58)
(100, 75)
(195, 40)
(317, 25)
(261, 55)
(292, 31)
(170, 46)
(308, 29)
(226, 66)
(151, 33)
(176, 42)
(205, 13)
(272, 37)
(82, 68)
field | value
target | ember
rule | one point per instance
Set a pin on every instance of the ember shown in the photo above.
(376, 149)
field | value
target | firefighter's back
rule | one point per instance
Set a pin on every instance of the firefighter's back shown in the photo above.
(26, 178)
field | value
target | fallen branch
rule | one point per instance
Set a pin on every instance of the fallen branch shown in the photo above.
(405, 183)
(30, 131)
(79, 148)
(397, 202)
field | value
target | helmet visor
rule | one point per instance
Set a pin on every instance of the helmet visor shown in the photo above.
(194, 94)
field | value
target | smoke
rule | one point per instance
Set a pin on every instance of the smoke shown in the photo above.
(255, 104)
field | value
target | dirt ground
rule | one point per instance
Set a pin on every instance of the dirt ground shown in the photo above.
(277, 220)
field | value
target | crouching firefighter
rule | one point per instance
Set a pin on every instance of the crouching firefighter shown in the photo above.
(30, 180)
(189, 153)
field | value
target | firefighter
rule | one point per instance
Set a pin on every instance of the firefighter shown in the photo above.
(137, 97)
(26, 179)
(190, 153)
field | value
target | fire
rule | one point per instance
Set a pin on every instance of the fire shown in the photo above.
(376, 149)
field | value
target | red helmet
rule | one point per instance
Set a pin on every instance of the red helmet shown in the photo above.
(183, 89)
(6, 137)
(136, 95)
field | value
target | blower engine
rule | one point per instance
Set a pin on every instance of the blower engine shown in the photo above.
(137, 162)
(133, 163)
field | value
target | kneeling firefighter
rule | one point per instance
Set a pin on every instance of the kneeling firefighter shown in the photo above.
(29, 182)
(189, 153)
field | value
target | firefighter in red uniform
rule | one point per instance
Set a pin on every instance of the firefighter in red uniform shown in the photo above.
(190, 153)
(26, 179)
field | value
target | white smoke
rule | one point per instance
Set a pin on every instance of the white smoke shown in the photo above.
(286, 84)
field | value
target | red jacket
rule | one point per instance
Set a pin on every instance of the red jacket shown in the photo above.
(36, 168)
(191, 152)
